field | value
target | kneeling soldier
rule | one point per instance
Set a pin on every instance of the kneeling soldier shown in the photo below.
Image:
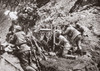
(63, 43)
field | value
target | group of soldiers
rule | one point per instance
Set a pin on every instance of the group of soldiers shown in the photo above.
(68, 40)
(22, 47)
(30, 50)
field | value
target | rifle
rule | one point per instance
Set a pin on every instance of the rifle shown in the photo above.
(32, 50)
(36, 58)
(54, 39)
(37, 46)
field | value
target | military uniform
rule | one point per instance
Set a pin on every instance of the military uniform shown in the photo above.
(23, 53)
(74, 35)
(64, 43)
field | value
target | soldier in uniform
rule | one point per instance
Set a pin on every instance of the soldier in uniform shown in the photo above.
(23, 50)
(74, 35)
(62, 42)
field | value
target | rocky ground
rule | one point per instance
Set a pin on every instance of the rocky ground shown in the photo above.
(56, 12)
(4, 25)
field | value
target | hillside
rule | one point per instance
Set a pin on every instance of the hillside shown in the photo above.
(87, 18)
(56, 12)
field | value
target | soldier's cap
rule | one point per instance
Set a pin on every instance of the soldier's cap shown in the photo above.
(58, 32)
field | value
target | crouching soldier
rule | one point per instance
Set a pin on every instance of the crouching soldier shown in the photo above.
(74, 35)
(23, 50)
(63, 43)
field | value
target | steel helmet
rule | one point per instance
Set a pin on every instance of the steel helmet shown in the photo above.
(58, 32)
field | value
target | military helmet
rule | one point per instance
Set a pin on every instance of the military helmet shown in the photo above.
(58, 32)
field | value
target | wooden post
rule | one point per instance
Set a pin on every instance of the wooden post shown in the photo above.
(54, 38)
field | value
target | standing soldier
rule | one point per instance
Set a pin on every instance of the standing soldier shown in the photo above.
(74, 35)
(23, 50)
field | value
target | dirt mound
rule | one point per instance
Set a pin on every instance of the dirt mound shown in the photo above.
(83, 63)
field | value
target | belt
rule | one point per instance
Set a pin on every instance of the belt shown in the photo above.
(20, 44)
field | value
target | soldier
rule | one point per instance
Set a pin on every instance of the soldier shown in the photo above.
(81, 29)
(23, 50)
(62, 42)
(74, 35)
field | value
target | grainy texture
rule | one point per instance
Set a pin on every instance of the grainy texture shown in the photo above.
(58, 11)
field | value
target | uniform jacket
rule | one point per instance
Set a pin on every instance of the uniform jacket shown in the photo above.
(19, 38)
(72, 32)
(62, 40)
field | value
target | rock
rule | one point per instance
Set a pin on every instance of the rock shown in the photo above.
(79, 66)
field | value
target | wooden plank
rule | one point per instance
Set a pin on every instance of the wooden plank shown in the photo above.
(45, 29)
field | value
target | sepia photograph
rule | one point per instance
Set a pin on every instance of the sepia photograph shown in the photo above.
(49, 35)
